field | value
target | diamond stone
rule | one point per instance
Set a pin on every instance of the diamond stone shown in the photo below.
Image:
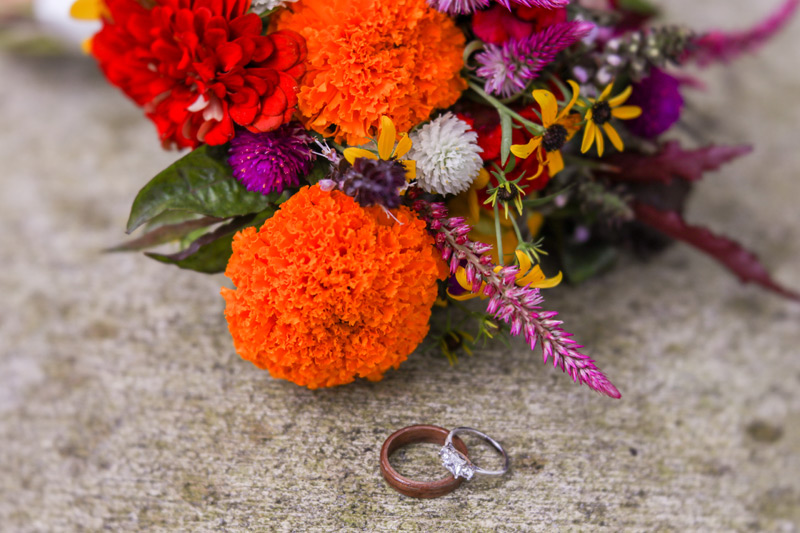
(456, 463)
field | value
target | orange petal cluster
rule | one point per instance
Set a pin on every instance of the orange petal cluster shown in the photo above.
(368, 58)
(328, 291)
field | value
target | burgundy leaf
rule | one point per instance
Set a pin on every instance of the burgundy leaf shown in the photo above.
(227, 229)
(731, 254)
(671, 162)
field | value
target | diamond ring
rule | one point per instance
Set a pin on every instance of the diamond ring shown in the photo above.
(459, 464)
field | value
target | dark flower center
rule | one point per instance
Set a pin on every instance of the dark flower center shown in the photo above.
(453, 340)
(601, 113)
(505, 195)
(554, 138)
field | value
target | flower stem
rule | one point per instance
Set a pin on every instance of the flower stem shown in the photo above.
(502, 109)
(498, 234)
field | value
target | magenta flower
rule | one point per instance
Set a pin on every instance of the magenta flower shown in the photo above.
(659, 97)
(271, 161)
(508, 68)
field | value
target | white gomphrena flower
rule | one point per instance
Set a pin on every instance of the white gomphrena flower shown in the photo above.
(447, 154)
(262, 6)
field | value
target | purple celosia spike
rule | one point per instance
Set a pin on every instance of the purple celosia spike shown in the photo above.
(720, 46)
(508, 68)
(271, 161)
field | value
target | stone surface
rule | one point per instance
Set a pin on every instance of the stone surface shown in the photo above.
(124, 407)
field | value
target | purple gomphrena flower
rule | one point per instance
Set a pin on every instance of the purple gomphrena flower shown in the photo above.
(271, 161)
(508, 68)
(659, 97)
(458, 7)
(374, 182)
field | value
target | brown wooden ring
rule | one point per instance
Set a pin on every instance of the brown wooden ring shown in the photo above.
(409, 487)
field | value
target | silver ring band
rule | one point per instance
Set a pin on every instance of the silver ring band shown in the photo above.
(460, 465)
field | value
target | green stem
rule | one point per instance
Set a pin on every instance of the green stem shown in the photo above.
(503, 109)
(498, 234)
(517, 230)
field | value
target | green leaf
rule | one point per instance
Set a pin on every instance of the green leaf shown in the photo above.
(320, 169)
(201, 182)
(209, 259)
(211, 251)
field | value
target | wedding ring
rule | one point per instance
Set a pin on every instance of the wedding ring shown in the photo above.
(459, 463)
(415, 434)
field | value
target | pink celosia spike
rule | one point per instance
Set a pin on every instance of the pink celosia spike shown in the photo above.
(721, 46)
(514, 305)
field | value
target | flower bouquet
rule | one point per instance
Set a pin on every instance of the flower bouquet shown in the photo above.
(356, 164)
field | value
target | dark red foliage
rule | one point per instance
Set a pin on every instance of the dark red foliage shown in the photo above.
(672, 162)
(731, 254)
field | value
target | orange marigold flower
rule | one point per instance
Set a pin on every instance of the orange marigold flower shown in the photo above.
(328, 291)
(368, 58)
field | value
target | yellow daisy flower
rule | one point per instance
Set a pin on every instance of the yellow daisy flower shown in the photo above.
(527, 276)
(598, 116)
(387, 149)
(559, 128)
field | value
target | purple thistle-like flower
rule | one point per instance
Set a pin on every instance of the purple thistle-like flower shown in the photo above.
(271, 161)
(517, 306)
(659, 97)
(508, 68)
(374, 182)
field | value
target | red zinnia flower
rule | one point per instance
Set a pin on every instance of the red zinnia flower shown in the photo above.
(199, 66)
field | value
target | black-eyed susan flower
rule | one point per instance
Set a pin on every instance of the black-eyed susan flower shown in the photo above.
(559, 127)
(599, 115)
(389, 148)
(507, 193)
(529, 275)
(454, 340)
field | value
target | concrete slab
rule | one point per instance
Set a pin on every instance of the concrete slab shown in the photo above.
(124, 407)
